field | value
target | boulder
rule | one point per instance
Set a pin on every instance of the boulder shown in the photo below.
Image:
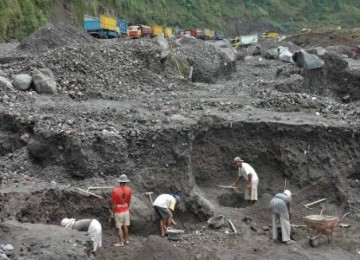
(44, 81)
(224, 46)
(200, 205)
(22, 81)
(6, 83)
(272, 54)
(285, 54)
(308, 61)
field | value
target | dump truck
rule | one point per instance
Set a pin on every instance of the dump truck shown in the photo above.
(195, 32)
(158, 30)
(123, 26)
(244, 41)
(271, 35)
(137, 31)
(102, 28)
(208, 34)
(168, 33)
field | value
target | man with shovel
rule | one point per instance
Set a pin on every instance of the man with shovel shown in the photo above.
(252, 181)
(121, 198)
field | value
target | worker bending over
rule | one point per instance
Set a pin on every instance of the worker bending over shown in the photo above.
(164, 205)
(280, 212)
(91, 226)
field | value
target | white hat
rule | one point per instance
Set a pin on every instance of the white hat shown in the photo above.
(287, 192)
(238, 159)
(67, 222)
(123, 178)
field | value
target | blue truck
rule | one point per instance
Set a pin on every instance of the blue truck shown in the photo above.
(105, 27)
(123, 26)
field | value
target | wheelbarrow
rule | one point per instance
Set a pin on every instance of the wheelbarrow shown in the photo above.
(321, 225)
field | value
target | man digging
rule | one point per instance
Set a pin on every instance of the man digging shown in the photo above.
(252, 181)
(164, 205)
(280, 212)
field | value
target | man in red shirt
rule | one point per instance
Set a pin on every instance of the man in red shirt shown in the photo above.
(121, 198)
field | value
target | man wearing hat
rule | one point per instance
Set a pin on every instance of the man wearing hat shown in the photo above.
(280, 212)
(252, 181)
(121, 198)
(163, 205)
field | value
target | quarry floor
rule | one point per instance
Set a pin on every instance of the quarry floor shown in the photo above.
(316, 153)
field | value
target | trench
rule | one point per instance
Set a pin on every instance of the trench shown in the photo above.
(314, 156)
(311, 157)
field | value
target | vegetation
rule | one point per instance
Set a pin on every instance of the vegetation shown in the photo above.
(19, 18)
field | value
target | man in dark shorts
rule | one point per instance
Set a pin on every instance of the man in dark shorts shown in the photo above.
(164, 205)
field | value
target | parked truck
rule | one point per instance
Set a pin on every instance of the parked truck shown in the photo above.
(137, 31)
(104, 27)
(244, 41)
(159, 30)
(123, 26)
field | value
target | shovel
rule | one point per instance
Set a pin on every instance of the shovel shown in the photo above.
(226, 186)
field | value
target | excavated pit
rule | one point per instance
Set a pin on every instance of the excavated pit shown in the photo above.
(306, 155)
(173, 135)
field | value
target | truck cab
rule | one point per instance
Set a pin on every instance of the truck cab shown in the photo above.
(134, 31)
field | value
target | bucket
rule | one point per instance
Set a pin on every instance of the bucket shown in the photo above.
(174, 234)
(216, 221)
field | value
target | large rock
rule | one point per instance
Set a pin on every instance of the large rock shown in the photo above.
(200, 206)
(224, 47)
(285, 54)
(40, 151)
(22, 81)
(44, 81)
(272, 54)
(308, 61)
(6, 83)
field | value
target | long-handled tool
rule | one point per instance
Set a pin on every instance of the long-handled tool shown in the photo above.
(226, 186)
(149, 193)
(312, 203)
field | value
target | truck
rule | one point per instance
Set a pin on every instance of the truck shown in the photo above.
(105, 27)
(244, 41)
(159, 30)
(123, 26)
(202, 34)
(137, 31)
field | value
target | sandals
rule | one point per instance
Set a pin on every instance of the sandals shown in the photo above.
(126, 242)
(119, 244)
(289, 242)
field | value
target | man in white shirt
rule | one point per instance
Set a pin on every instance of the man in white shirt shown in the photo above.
(252, 181)
(91, 226)
(163, 205)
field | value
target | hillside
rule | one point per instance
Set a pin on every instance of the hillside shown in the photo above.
(20, 18)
